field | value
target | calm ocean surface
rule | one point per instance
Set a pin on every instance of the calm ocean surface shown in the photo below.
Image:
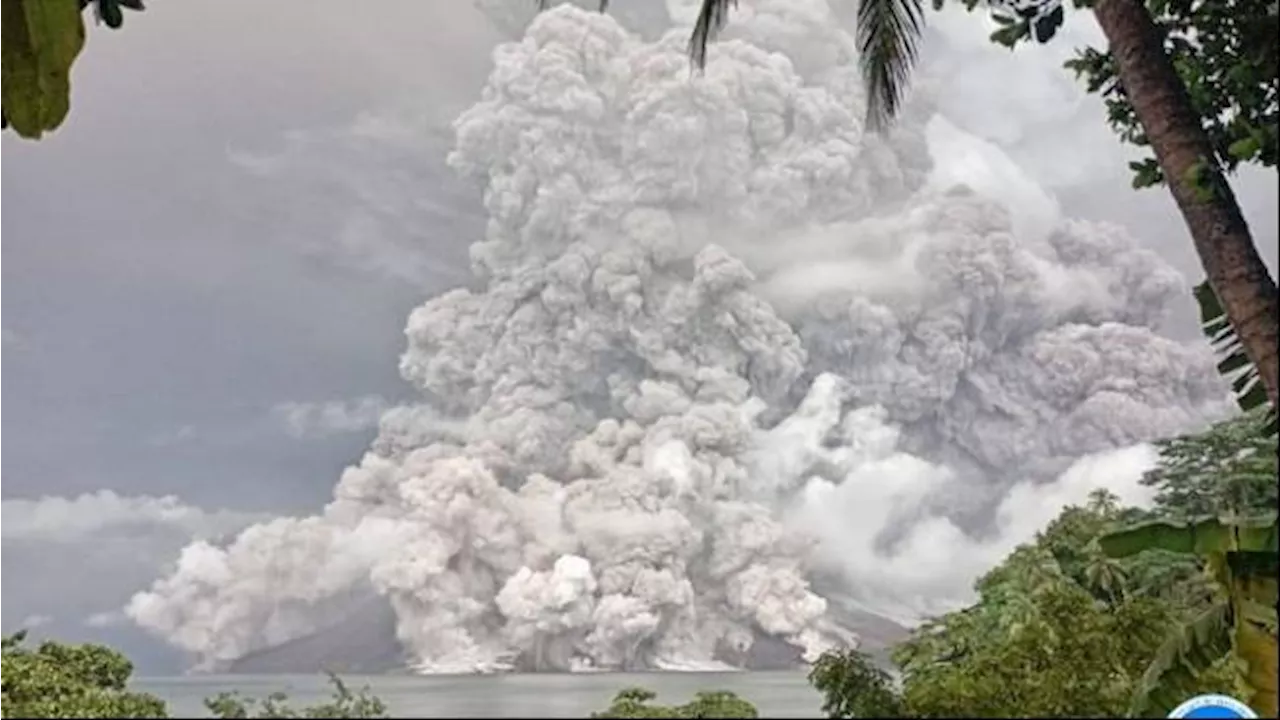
(776, 694)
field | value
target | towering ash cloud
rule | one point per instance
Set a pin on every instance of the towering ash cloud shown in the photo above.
(722, 342)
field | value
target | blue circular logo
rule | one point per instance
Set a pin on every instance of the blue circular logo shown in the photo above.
(1212, 706)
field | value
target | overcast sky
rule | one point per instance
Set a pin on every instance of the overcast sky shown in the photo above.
(207, 269)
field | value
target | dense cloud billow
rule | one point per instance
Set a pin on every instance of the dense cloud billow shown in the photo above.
(73, 562)
(721, 342)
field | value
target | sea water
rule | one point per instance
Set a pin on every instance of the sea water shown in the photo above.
(775, 694)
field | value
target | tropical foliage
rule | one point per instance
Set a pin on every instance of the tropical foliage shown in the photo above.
(1058, 629)
(1229, 470)
(637, 703)
(1091, 620)
(1239, 626)
(60, 681)
(1217, 498)
(853, 686)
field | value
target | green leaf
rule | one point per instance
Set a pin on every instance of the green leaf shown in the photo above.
(1046, 26)
(1232, 363)
(1010, 35)
(1245, 148)
(111, 14)
(1145, 173)
(1210, 307)
(41, 39)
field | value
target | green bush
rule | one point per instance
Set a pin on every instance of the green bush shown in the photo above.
(345, 704)
(635, 703)
(61, 681)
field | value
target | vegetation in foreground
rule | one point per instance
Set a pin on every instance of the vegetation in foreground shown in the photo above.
(55, 680)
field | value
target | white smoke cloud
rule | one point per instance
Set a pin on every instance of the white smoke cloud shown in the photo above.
(721, 341)
(320, 419)
(906, 565)
(56, 548)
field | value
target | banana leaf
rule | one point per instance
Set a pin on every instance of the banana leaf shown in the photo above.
(1256, 651)
(1198, 537)
(41, 39)
(1173, 673)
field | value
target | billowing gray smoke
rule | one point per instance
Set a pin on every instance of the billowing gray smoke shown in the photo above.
(722, 343)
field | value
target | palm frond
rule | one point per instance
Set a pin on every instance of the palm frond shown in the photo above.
(1233, 364)
(711, 18)
(887, 34)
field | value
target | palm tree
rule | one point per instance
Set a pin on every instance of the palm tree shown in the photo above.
(887, 34)
(1104, 577)
(1234, 364)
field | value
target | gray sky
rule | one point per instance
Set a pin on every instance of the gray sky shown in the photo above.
(159, 292)
(208, 267)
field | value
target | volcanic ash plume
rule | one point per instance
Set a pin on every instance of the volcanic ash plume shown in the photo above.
(723, 343)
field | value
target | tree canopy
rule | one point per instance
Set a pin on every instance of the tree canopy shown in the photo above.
(60, 681)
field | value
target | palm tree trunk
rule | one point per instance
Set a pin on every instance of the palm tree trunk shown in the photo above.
(1235, 270)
